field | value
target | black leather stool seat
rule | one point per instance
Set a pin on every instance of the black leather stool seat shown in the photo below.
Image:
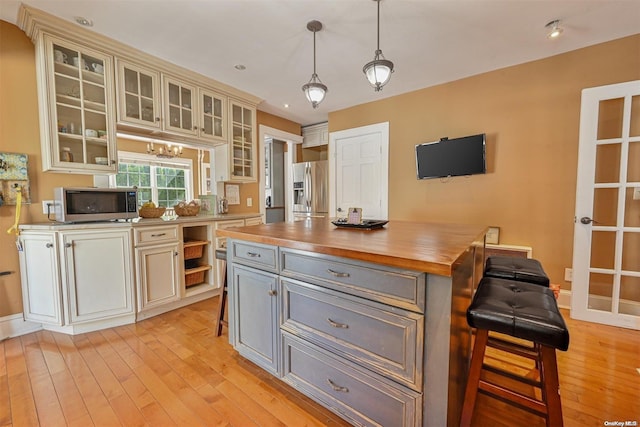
(521, 269)
(520, 309)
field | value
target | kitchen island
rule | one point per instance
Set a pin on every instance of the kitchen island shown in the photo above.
(369, 323)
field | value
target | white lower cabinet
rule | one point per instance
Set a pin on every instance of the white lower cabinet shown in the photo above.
(158, 275)
(86, 282)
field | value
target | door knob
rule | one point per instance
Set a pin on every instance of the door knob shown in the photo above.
(587, 220)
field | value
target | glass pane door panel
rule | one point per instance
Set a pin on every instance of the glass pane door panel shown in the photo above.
(635, 116)
(608, 163)
(207, 105)
(187, 122)
(237, 114)
(147, 109)
(600, 291)
(631, 251)
(186, 98)
(208, 125)
(247, 120)
(146, 86)
(605, 206)
(174, 116)
(130, 81)
(603, 249)
(217, 107)
(217, 127)
(610, 118)
(629, 295)
(174, 95)
(132, 108)
(632, 208)
(633, 167)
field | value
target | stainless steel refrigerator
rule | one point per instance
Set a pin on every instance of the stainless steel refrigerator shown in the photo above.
(310, 190)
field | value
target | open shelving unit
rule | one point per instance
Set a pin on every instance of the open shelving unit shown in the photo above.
(198, 257)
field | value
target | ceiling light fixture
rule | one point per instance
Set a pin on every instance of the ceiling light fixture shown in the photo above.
(379, 70)
(314, 90)
(553, 29)
(83, 21)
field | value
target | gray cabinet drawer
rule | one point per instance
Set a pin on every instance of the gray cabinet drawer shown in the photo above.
(264, 257)
(401, 288)
(378, 337)
(356, 394)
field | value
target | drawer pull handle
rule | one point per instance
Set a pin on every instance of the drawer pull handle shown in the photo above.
(159, 235)
(253, 254)
(337, 325)
(337, 273)
(337, 387)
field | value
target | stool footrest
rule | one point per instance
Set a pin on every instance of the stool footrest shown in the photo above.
(511, 375)
(529, 403)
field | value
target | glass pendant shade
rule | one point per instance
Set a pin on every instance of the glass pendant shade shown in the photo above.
(314, 91)
(378, 72)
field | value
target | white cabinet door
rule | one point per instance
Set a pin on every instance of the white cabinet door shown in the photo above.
(158, 275)
(97, 270)
(77, 108)
(213, 114)
(138, 96)
(40, 278)
(180, 108)
(236, 161)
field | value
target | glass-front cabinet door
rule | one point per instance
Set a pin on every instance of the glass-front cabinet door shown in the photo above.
(213, 109)
(79, 126)
(242, 150)
(179, 107)
(138, 95)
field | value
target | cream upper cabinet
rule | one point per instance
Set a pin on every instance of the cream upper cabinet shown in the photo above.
(213, 115)
(315, 135)
(77, 114)
(138, 95)
(236, 161)
(179, 107)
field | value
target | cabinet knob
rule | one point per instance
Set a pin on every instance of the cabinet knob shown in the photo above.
(202, 129)
(157, 119)
(68, 245)
(195, 128)
(175, 254)
(49, 245)
(272, 292)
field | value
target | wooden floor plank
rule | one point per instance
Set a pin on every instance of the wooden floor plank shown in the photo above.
(170, 370)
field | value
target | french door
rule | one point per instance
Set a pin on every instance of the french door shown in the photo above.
(606, 251)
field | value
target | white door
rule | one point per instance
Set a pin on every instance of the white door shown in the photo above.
(359, 171)
(606, 250)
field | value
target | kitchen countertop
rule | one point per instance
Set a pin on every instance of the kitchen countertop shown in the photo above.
(136, 222)
(429, 247)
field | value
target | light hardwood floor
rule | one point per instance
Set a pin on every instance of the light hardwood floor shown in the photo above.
(171, 370)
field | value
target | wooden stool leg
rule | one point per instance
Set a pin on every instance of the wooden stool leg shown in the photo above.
(222, 304)
(477, 359)
(550, 386)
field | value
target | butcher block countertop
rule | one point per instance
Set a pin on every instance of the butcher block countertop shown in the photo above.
(429, 247)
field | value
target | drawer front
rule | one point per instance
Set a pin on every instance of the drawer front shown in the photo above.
(359, 396)
(153, 235)
(219, 225)
(363, 331)
(393, 286)
(264, 257)
(253, 221)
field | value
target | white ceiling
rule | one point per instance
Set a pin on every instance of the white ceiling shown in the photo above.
(429, 41)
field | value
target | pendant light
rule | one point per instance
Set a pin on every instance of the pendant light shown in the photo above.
(379, 70)
(314, 90)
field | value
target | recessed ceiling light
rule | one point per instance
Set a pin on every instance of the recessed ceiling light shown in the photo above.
(83, 21)
(286, 105)
(240, 67)
(553, 29)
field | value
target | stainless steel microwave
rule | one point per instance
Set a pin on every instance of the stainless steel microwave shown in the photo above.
(85, 204)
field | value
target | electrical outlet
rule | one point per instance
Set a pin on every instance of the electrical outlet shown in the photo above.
(568, 274)
(249, 201)
(47, 206)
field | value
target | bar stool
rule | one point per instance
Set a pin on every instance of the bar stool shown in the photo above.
(528, 312)
(514, 268)
(221, 254)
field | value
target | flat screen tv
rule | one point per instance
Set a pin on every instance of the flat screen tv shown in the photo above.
(451, 157)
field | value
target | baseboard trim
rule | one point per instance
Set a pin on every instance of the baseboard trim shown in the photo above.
(564, 299)
(14, 325)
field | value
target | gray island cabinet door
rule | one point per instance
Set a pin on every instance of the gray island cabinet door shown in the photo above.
(254, 330)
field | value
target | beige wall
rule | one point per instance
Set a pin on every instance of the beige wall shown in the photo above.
(530, 114)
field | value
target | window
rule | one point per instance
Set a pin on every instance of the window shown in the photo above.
(166, 182)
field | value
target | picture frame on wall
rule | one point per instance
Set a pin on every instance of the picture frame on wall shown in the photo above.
(493, 236)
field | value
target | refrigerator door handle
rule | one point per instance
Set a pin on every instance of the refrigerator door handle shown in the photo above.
(307, 186)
